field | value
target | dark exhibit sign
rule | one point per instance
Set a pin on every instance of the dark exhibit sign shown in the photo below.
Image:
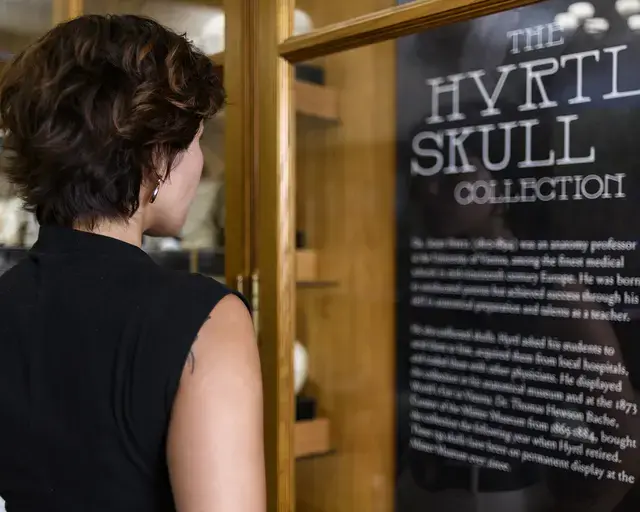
(518, 270)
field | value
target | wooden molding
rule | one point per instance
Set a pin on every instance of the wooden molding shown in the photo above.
(389, 23)
(276, 243)
(239, 142)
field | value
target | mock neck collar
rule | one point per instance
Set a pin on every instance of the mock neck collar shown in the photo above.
(63, 240)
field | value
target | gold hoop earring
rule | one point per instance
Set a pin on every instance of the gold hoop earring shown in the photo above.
(154, 194)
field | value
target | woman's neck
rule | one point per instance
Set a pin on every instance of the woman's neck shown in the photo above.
(130, 232)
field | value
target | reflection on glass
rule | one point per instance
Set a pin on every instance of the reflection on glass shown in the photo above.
(499, 371)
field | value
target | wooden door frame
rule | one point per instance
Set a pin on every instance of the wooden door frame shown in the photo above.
(276, 52)
(240, 158)
(390, 23)
(276, 246)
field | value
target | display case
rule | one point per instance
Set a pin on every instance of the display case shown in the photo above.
(476, 145)
(431, 206)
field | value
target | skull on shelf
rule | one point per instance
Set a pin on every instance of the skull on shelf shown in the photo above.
(300, 366)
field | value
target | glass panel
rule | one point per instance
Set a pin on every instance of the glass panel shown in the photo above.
(20, 24)
(471, 217)
(312, 14)
(202, 243)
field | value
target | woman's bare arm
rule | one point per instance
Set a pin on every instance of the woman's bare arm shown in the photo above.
(215, 447)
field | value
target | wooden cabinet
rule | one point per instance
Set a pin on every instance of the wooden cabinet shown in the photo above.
(343, 180)
(336, 183)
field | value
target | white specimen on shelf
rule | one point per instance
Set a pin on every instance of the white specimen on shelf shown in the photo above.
(582, 10)
(567, 21)
(203, 24)
(302, 22)
(596, 26)
(167, 244)
(300, 366)
(634, 22)
(213, 34)
(628, 7)
(161, 244)
(13, 217)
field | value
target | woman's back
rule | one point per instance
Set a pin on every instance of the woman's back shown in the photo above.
(94, 338)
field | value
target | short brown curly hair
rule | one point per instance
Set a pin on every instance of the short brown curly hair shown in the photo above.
(97, 107)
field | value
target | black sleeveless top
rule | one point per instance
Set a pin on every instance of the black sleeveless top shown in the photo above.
(93, 339)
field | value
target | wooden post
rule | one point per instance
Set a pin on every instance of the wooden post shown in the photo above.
(276, 245)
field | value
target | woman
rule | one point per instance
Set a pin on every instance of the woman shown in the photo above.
(123, 386)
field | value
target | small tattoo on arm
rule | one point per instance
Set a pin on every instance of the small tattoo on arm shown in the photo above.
(191, 358)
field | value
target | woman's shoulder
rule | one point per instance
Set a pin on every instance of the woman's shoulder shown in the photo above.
(185, 299)
(178, 306)
(190, 288)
